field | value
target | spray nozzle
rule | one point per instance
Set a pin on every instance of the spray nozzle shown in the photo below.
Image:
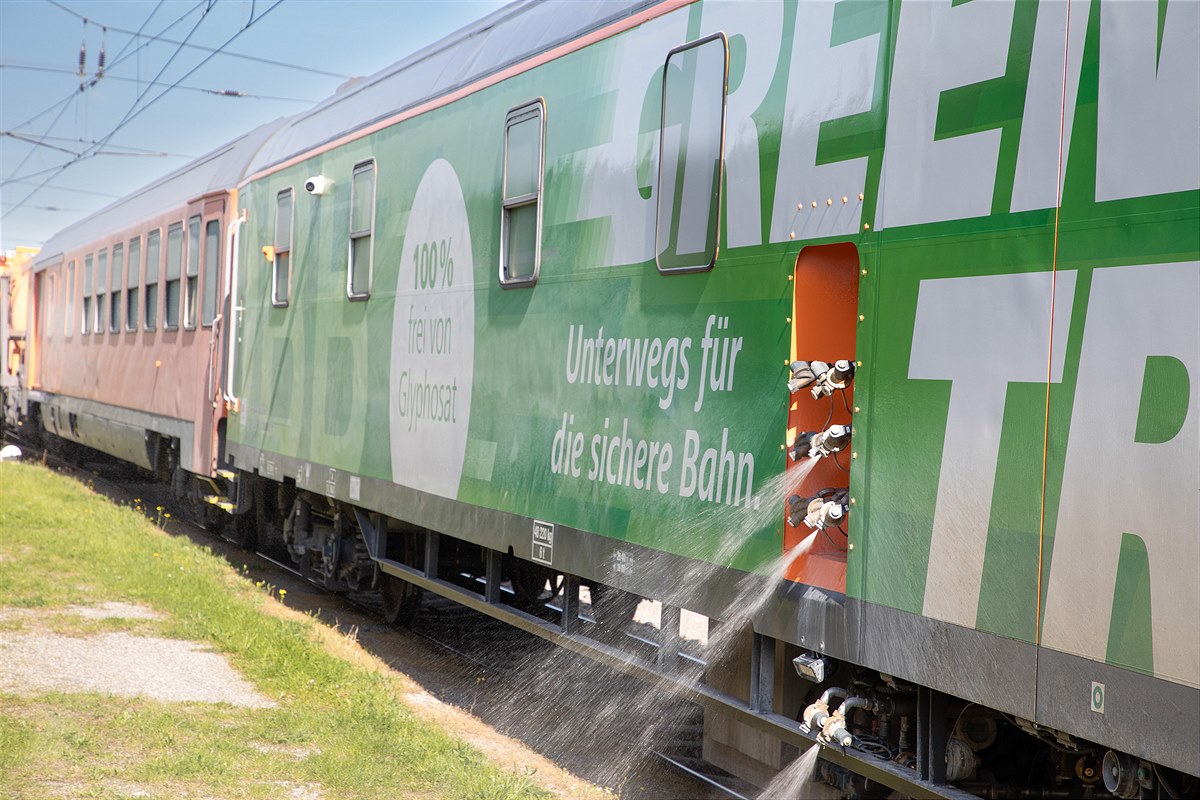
(816, 715)
(834, 730)
(829, 515)
(801, 445)
(829, 441)
(797, 510)
(824, 378)
(804, 373)
(818, 444)
(826, 509)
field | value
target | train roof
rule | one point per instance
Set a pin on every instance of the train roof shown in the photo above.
(220, 169)
(508, 36)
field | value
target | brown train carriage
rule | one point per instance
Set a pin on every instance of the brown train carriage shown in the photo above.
(128, 310)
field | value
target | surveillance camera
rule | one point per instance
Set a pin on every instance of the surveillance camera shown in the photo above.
(318, 185)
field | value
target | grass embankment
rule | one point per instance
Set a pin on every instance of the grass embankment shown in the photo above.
(339, 730)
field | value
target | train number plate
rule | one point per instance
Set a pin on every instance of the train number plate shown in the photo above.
(543, 542)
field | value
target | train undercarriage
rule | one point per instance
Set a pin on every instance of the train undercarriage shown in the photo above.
(769, 705)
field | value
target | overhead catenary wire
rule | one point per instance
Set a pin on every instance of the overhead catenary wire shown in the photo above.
(205, 90)
(91, 151)
(164, 40)
(114, 149)
(134, 111)
(128, 152)
(73, 97)
(77, 190)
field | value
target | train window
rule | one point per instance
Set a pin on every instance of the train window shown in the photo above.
(101, 283)
(521, 217)
(115, 284)
(133, 280)
(691, 147)
(48, 289)
(153, 254)
(191, 271)
(42, 316)
(212, 266)
(70, 325)
(86, 327)
(40, 313)
(171, 279)
(281, 275)
(362, 225)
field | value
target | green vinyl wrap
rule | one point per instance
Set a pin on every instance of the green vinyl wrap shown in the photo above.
(503, 390)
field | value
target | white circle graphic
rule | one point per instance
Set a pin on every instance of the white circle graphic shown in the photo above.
(433, 338)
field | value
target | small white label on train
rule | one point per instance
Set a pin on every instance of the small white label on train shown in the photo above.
(543, 542)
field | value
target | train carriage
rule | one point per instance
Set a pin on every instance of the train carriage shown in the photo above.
(867, 330)
(126, 357)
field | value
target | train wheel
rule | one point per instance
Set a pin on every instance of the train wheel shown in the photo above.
(267, 521)
(242, 530)
(529, 582)
(400, 599)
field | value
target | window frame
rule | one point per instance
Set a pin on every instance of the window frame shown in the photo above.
(190, 300)
(517, 115)
(276, 250)
(662, 131)
(150, 321)
(368, 232)
(100, 324)
(133, 307)
(69, 306)
(170, 324)
(116, 286)
(49, 288)
(89, 265)
(43, 321)
(210, 272)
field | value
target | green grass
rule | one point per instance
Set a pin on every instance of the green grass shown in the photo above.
(340, 729)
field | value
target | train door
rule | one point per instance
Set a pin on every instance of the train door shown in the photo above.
(209, 229)
(39, 324)
(824, 325)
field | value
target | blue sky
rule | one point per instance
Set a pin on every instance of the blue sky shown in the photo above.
(67, 152)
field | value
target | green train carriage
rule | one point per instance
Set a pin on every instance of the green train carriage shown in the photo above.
(538, 293)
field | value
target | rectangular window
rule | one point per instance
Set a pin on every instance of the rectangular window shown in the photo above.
(133, 279)
(191, 273)
(362, 225)
(115, 284)
(70, 326)
(521, 218)
(171, 295)
(153, 254)
(212, 268)
(281, 275)
(87, 294)
(101, 283)
(43, 292)
(691, 146)
(55, 319)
